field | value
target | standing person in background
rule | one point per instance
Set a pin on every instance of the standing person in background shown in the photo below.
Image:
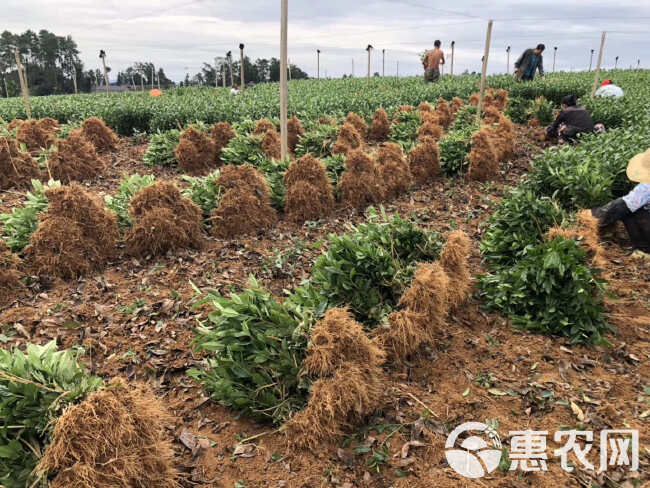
(431, 62)
(530, 61)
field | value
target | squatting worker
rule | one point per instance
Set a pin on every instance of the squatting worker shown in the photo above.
(432, 61)
(530, 61)
(573, 120)
(634, 208)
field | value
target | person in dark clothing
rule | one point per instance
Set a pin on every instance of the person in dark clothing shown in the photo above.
(530, 61)
(573, 120)
(634, 208)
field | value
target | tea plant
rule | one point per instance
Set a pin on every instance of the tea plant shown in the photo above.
(551, 291)
(204, 191)
(20, 223)
(119, 203)
(160, 151)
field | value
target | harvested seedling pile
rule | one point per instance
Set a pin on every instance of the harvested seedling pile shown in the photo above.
(245, 208)
(350, 386)
(75, 236)
(75, 159)
(263, 126)
(443, 112)
(221, 133)
(294, 131)
(424, 161)
(309, 192)
(497, 99)
(491, 115)
(9, 274)
(437, 288)
(429, 129)
(380, 126)
(114, 439)
(163, 220)
(99, 135)
(394, 171)
(17, 168)
(483, 159)
(271, 144)
(360, 184)
(196, 152)
(456, 104)
(358, 124)
(425, 107)
(585, 232)
(348, 139)
(38, 134)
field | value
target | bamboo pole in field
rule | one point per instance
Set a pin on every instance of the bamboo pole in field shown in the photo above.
(318, 64)
(508, 60)
(398, 69)
(223, 75)
(486, 53)
(158, 79)
(554, 57)
(232, 75)
(102, 55)
(383, 63)
(453, 50)
(369, 49)
(591, 59)
(74, 78)
(600, 60)
(23, 84)
(242, 66)
(153, 76)
(289, 68)
(616, 62)
(283, 79)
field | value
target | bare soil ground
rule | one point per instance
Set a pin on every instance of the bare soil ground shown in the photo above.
(135, 320)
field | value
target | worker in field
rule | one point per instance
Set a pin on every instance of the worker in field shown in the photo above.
(609, 89)
(634, 208)
(572, 121)
(431, 61)
(530, 61)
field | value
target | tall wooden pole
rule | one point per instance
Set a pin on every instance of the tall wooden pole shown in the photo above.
(318, 64)
(453, 49)
(153, 75)
(283, 80)
(289, 68)
(398, 69)
(142, 80)
(352, 68)
(600, 60)
(591, 59)
(616, 62)
(554, 57)
(223, 75)
(74, 77)
(486, 53)
(158, 79)
(369, 49)
(23, 84)
(232, 76)
(242, 66)
(383, 63)
(102, 55)
(508, 60)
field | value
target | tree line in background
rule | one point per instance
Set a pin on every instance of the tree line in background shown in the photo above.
(261, 71)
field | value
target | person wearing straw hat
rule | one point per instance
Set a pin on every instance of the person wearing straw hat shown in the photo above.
(634, 208)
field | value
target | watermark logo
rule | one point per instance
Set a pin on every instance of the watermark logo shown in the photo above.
(478, 454)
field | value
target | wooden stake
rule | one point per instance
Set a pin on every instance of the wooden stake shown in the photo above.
(23, 84)
(591, 59)
(486, 53)
(383, 63)
(158, 79)
(283, 79)
(102, 55)
(554, 57)
(398, 69)
(616, 63)
(142, 80)
(223, 75)
(600, 60)
(289, 68)
(508, 60)
(242, 67)
(153, 75)
(232, 76)
(352, 68)
(453, 49)
(318, 64)
(369, 49)
(74, 78)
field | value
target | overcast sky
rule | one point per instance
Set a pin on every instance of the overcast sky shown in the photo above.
(180, 35)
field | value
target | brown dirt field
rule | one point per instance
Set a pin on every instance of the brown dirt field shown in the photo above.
(135, 320)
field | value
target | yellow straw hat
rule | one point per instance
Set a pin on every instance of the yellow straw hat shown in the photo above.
(638, 169)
